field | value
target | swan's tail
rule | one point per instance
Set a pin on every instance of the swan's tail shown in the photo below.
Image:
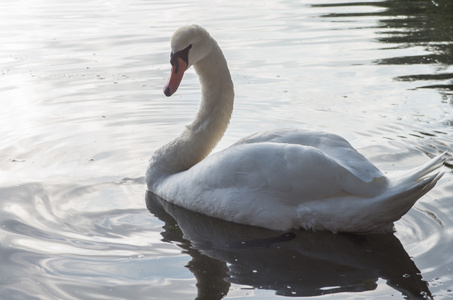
(378, 213)
(423, 172)
(412, 185)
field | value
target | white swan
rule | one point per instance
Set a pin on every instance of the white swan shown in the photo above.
(279, 179)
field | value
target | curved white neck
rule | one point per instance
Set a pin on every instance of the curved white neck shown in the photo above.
(211, 121)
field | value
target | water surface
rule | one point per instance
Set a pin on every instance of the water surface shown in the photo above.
(83, 109)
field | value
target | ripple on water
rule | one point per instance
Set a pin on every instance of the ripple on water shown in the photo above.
(47, 234)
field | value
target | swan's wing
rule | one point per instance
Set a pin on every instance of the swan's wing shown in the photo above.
(291, 173)
(332, 145)
(263, 184)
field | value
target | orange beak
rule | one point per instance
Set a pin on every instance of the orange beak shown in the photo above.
(177, 72)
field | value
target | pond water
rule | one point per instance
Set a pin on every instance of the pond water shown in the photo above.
(82, 110)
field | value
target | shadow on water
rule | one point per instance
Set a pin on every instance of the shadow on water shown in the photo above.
(301, 263)
(425, 24)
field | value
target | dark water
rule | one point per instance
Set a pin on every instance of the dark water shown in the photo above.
(82, 110)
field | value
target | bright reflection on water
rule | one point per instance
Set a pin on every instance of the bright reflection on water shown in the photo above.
(82, 110)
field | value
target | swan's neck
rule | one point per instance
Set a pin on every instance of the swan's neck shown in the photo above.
(211, 121)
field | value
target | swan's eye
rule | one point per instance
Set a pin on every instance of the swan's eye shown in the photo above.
(183, 54)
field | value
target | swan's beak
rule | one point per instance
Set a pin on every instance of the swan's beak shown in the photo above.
(177, 71)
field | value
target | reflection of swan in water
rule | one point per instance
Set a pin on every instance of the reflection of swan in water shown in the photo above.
(304, 264)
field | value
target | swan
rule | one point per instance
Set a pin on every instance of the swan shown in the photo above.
(280, 179)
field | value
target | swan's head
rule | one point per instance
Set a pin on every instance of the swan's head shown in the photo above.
(189, 45)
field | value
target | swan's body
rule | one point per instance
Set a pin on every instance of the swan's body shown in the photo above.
(278, 179)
